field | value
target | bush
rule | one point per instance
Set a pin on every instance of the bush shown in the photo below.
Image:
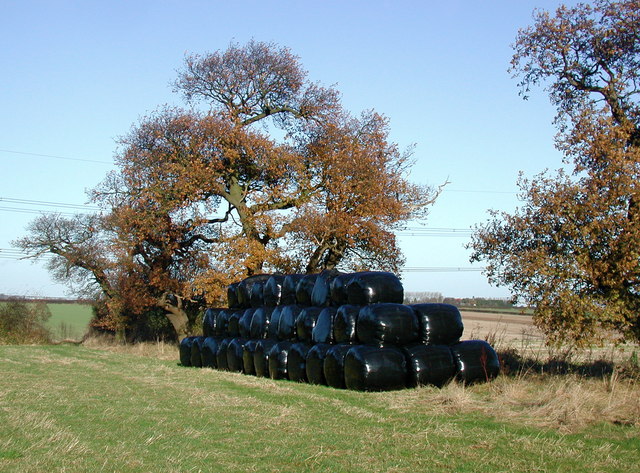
(22, 322)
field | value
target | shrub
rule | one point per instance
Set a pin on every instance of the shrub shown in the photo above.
(23, 323)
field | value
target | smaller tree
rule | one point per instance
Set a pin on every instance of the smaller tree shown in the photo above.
(573, 249)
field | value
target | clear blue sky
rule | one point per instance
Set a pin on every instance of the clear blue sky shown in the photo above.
(77, 74)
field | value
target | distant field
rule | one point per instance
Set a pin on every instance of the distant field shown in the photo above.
(69, 320)
(76, 409)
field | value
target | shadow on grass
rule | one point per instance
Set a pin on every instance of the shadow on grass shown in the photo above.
(513, 363)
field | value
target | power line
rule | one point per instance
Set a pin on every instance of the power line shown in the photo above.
(35, 211)
(9, 253)
(440, 269)
(436, 232)
(479, 191)
(24, 153)
(19, 255)
(48, 203)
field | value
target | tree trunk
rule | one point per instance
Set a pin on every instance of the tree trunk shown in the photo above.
(179, 320)
(176, 315)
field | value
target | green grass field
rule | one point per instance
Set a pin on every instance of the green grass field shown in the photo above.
(76, 409)
(68, 320)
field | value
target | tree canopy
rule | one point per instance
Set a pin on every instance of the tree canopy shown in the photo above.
(264, 172)
(572, 249)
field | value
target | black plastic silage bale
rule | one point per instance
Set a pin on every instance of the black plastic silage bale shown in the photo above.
(272, 329)
(259, 325)
(248, 352)
(278, 357)
(222, 322)
(233, 324)
(373, 287)
(387, 324)
(321, 294)
(297, 361)
(323, 330)
(185, 351)
(306, 321)
(429, 364)
(196, 357)
(232, 296)
(440, 324)
(235, 353)
(344, 323)
(304, 289)
(272, 290)
(289, 285)
(208, 352)
(209, 321)
(261, 357)
(287, 323)
(338, 289)
(221, 354)
(476, 361)
(244, 323)
(314, 366)
(257, 294)
(369, 368)
(245, 288)
(333, 366)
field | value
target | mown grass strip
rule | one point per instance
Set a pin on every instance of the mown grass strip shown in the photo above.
(77, 409)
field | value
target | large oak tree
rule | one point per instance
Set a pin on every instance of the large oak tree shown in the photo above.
(265, 172)
(573, 248)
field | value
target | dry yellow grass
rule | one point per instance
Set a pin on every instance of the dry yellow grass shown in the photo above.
(567, 403)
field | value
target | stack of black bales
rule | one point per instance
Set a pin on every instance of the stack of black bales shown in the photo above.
(342, 330)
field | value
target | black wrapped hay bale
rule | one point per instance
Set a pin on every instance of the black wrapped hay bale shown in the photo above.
(476, 361)
(338, 289)
(261, 357)
(248, 352)
(323, 330)
(334, 365)
(387, 324)
(257, 293)
(373, 287)
(221, 354)
(278, 357)
(304, 289)
(368, 368)
(321, 294)
(272, 290)
(222, 323)
(272, 329)
(185, 351)
(233, 324)
(209, 321)
(289, 285)
(429, 364)
(196, 357)
(245, 288)
(208, 352)
(314, 366)
(244, 323)
(287, 323)
(297, 361)
(259, 325)
(306, 322)
(235, 353)
(232, 296)
(440, 324)
(344, 323)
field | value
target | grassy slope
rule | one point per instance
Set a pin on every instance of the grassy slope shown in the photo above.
(84, 410)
